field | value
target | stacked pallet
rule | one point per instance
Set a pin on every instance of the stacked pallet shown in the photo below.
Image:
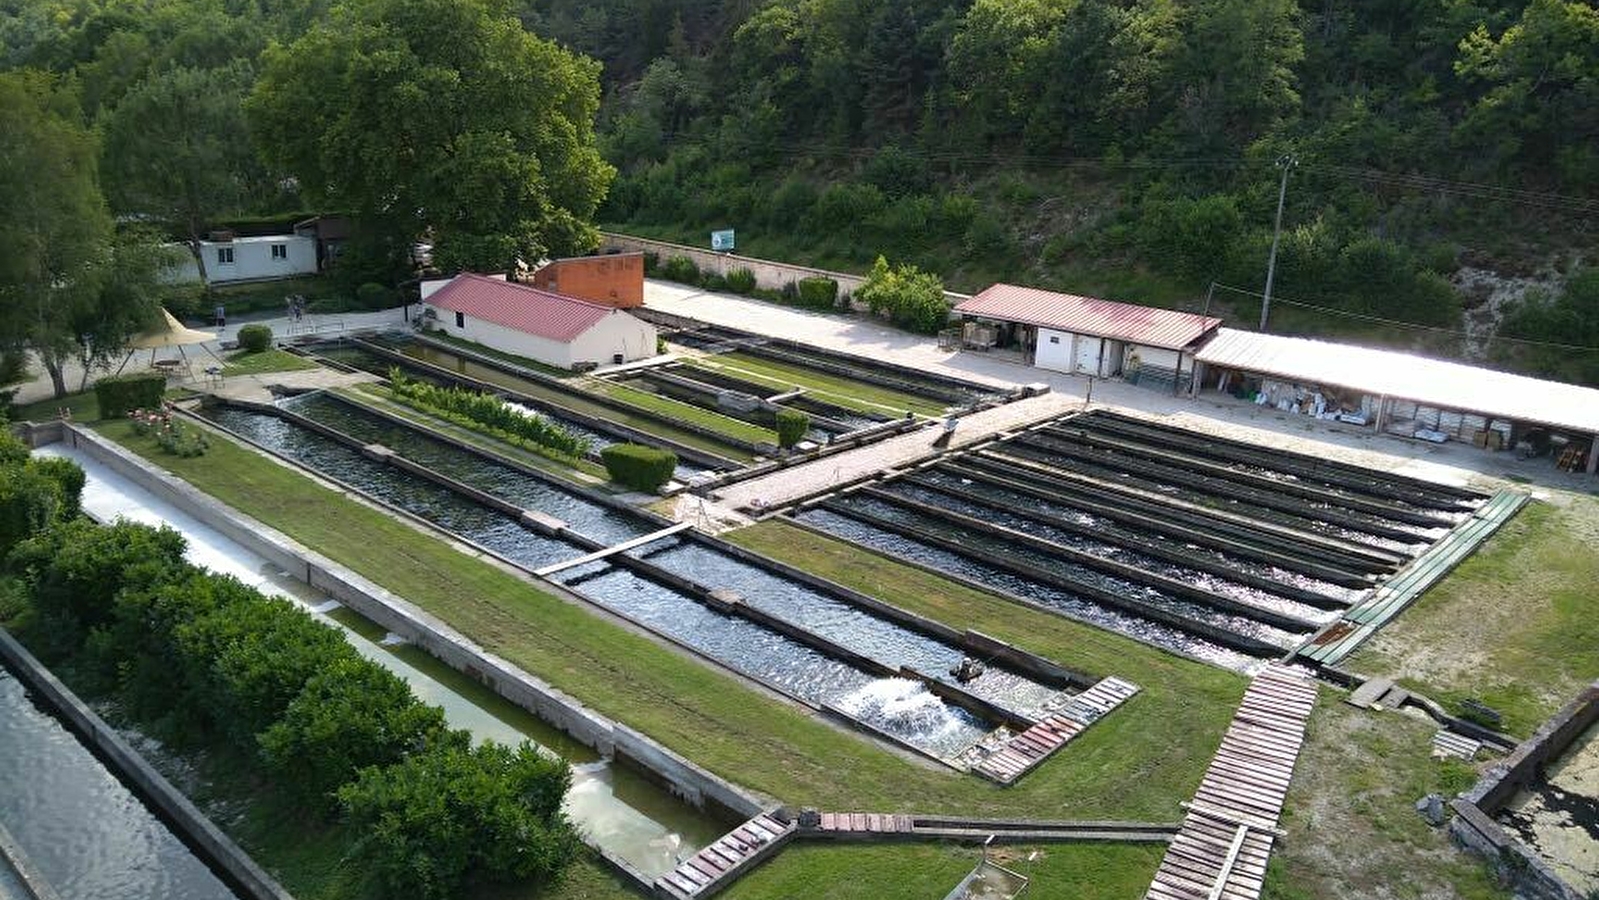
(865, 823)
(715, 866)
(1026, 750)
(1221, 850)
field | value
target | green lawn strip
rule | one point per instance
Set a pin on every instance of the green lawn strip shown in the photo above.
(777, 385)
(819, 871)
(1512, 626)
(1138, 763)
(686, 412)
(381, 397)
(832, 386)
(1353, 831)
(85, 407)
(511, 358)
(269, 360)
(1154, 747)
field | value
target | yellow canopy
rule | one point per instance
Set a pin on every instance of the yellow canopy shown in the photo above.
(170, 333)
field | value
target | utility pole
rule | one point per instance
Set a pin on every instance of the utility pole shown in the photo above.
(1286, 162)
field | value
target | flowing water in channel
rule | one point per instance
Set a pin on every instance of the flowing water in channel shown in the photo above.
(735, 641)
(89, 837)
(616, 807)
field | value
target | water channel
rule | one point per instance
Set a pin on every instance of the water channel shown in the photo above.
(617, 808)
(916, 715)
(1558, 814)
(87, 834)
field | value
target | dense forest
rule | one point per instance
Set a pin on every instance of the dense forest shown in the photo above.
(1441, 154)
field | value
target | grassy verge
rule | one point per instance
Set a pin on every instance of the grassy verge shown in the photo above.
(269, 360)
(921, 871)
(1353, 832)
(1513, 626)
(1138, 763)
(85, 407)
(835, 389)
(686, 412)
(381, 397)
(512, 358)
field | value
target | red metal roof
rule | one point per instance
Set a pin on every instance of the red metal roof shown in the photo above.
(518, 306)
(1089, 315)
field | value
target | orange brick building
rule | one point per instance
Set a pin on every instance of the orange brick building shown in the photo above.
(614, 279)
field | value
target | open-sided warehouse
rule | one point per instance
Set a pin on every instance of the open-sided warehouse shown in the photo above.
(1086, 335)
(1406, 395)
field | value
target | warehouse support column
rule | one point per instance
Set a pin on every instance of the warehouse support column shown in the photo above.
(1593, 455)
(1382, 412)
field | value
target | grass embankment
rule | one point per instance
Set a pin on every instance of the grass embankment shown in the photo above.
(846, 392)
(1513, 626)
(677, 410)
(380, 397)
(270, 360)
(921, 871)
(1138, 763)
(512, 358)
(1353, 831)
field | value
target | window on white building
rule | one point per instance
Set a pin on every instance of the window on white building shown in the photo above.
(460, 320)
(280, 251)
(224, 256)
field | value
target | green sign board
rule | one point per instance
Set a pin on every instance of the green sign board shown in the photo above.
(722, 241)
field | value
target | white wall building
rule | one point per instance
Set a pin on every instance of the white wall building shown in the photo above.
(553, 329)
(250, 259)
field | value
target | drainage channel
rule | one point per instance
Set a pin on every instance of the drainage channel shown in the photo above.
(617, 808)
(1244, 456)
(751, 410)
(838, 669)
(1355, 532)
(797, 398)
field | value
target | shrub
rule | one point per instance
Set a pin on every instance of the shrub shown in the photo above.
(817, 292)
(490, 413)
(638, 466)
(454, 811)
(791, 426)
(681, 269)
(29, 502)
(79, 567)
(255, 338)
(713, 282)
(909, 297)
(120, 394)
(741, 281)
(371, 295)
(69, 481)
(660, 345)
(170, 433)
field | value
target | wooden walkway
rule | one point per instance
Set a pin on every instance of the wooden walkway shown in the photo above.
(897, 826)
(1026, 750)
(597, 555)
(1360, 622)
(717, 865)
(1221, 850)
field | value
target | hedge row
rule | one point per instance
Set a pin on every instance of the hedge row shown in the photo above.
(119, 395)
(213, 660)
(488, 412)
(791, 426)
(638, 466)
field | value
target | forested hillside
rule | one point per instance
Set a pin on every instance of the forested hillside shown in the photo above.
(1446, 151)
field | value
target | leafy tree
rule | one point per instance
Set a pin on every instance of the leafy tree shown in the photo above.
(906, 295)
(439, 116)
(176, 147)
(454, 811)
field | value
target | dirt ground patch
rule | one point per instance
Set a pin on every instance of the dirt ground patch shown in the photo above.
(1513, 625)
(1353, 832)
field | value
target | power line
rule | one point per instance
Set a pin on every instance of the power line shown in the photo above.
(1401, 324)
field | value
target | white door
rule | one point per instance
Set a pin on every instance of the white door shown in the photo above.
(1088, 350)
(1054, 351)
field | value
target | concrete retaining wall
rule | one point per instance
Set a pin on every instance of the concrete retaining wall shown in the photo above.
(32, 882)
(398, 615)
(1473, 826)
(207, 841)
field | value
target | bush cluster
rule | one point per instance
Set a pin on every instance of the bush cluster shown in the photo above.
(681, 269)
(906, 296)
(817, 292)
(255, 338)
(120, 394)
(483, 412)
(214, 661)
(741, 281)
(638, 466)
(791, 426)
(170, 434)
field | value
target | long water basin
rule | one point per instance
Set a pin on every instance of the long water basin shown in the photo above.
(618, 809)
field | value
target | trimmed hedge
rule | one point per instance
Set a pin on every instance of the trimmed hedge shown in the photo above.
(121, 394)
(791, 426)
(489, 412)
(255, 338)
(818, 292)
(639, 467)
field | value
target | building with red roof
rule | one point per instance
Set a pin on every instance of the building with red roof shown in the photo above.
(1087, 335)
(550, 328)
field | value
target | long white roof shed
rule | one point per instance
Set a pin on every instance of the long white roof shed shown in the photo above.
(1404, 376)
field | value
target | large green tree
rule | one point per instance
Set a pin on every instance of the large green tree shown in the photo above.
(439, 117)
